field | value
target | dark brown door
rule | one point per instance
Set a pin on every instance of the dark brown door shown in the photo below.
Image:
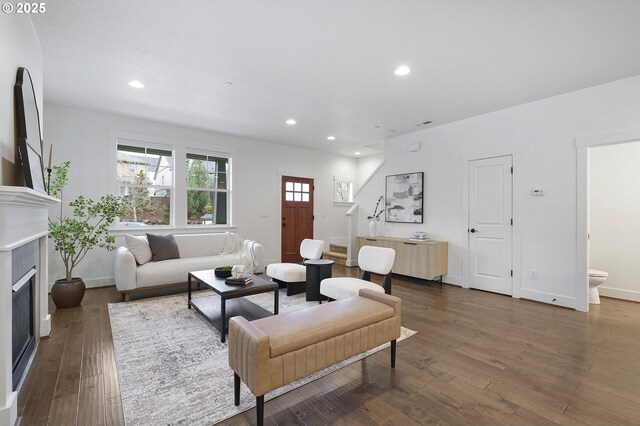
(297, 216)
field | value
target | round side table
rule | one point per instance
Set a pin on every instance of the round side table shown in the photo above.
(317, 270)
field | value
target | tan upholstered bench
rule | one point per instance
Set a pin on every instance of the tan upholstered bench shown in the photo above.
(271, 352)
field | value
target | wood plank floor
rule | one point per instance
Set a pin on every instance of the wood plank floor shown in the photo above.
(478, 359)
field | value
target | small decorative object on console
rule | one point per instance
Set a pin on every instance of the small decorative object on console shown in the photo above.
(419, 236)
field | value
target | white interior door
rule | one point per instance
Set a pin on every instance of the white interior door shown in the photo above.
(490, 224)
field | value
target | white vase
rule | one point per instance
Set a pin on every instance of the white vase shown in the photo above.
(373, 228)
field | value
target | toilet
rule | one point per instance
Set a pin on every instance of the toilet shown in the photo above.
(595, 279)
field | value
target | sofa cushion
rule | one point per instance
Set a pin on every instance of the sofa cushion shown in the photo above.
(176, 271)
(139, 247)
(296, 330)
(163, 247)
(199, 245)
(232, 243)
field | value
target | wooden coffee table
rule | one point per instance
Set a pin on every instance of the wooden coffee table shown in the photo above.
(232, 302)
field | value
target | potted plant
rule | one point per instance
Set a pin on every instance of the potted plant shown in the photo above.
(374, 219)
(75, 234)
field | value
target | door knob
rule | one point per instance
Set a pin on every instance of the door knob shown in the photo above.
(472, 230)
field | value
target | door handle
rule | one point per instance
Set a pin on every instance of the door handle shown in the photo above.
(473, 230)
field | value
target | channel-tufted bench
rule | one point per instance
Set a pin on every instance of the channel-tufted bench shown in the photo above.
(271, 352)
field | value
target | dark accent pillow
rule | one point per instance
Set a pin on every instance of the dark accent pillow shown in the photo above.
(163, 247)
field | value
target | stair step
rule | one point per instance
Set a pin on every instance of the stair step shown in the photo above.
(338, 258)
(338, 248)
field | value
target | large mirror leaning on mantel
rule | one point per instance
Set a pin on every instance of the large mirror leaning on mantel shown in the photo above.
(29, 135)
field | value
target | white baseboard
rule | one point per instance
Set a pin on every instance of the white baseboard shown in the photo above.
(453, 280)
(351, 263)
(94, 282)
(550, 298)
(619, 293)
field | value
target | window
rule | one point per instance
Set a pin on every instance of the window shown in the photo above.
(145, 175)
(343, 189)
(208, 189)
(296, 191)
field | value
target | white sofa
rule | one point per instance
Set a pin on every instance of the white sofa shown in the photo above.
(197, 252)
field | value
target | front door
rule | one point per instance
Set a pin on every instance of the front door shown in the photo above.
(490, 222)
(297, 216)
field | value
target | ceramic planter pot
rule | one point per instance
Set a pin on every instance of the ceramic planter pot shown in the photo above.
(68, 294)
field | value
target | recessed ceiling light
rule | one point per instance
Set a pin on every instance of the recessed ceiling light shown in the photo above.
(402, 70)
(391, 131)
(228, 83)
(377, 127)
(136, 84)
(331, 138)
(290, 122)
(356, 153)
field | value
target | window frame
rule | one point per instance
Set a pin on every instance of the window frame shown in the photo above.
(344, 179)
(127, 142)
(228, 190)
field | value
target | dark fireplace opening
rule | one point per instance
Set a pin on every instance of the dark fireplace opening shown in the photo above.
(23, 339)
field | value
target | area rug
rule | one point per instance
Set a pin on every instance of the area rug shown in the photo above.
(172, 367)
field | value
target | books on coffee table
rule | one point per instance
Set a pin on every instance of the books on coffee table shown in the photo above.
(238, 281)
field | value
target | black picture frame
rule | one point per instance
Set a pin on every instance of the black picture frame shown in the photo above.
(404, 198)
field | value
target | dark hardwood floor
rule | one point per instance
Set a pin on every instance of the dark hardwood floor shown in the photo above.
(478, 359)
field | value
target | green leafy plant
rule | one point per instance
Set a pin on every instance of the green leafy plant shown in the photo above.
(376, 214)
(74, 235)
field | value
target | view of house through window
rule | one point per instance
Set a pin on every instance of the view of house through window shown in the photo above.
(145, 174)
(207, 189)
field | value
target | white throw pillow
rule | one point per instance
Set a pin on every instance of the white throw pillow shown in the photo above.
(139, 247)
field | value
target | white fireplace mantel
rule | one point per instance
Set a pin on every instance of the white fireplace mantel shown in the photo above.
(24, 217)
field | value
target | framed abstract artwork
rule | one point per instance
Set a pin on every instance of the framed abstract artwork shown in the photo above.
(404, 198)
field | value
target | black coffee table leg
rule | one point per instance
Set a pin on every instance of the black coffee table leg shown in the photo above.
(189, 292)
(276, 295)
(223, 317)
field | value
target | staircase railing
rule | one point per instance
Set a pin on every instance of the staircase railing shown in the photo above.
(352, 232)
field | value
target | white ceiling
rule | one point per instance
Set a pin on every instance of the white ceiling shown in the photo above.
(329, 64)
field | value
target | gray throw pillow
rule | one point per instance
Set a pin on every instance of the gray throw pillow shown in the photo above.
(163, 247)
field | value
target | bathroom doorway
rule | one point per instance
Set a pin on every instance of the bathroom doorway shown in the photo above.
(614, 228)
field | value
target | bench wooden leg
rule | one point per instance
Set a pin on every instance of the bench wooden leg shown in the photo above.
(393, 354)
(260, 410)
(236, 389)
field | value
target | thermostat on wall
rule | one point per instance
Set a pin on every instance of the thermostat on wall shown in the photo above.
(538, 192)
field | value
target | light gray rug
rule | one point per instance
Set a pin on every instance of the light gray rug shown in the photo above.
(172, 367)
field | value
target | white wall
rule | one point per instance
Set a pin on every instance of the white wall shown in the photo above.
(19, 47)
(543, 132)
(614, 212)
(83, 137)
(366, 166)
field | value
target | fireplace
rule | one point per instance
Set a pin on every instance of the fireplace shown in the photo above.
(23, 339)
(24, 315)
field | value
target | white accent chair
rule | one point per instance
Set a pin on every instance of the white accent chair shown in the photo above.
(293, 276)
(377, 260)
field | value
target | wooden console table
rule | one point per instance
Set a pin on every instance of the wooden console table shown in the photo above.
(420, 259)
